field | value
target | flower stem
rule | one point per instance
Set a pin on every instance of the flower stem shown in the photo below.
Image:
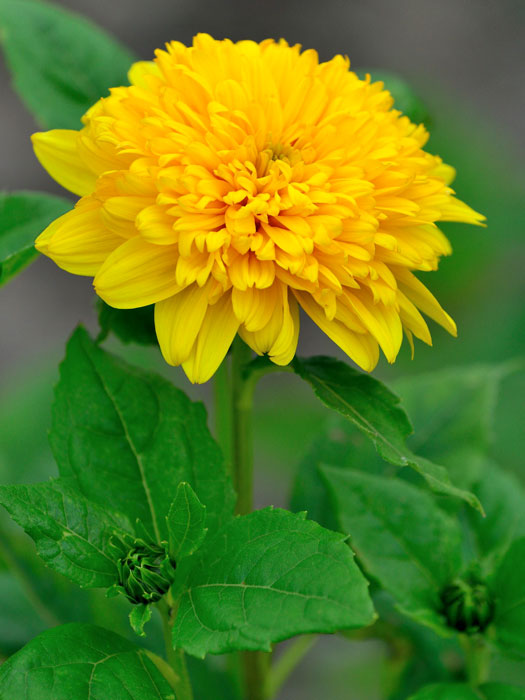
(255, 664)
(287, 663)
(175, 657)
(477, 653)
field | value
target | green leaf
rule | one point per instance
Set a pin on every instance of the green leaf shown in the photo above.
(508, 591)
(71, 534)
(129, 437)
(503, 499)
(60, 62)
(186, 519)
(375, 411)
(263, 578)
(401, 537)
(84, 662)
(458, 691)
(23, 216)
(129, 325)
(138, 617)
(405, 98)
(453, 412)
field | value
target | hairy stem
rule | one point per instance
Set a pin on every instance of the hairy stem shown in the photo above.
(175, 657)
(477, 654)
(254, 663)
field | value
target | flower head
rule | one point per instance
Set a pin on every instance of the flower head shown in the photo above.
(231, 183)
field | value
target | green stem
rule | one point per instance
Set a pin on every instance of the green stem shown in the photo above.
(477, 654)
(254, 663)
(175, 657)
(223, 409)
(287, 663)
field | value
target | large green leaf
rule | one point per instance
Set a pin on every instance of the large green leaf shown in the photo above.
(375, 411)
(60, 62)
(71, 534)
(265, 577)
(458, 691)
(402, 538)
(453, 414)
(84, 662)
(129, 438)
(23, 216)
(509, 594)
(186, 523)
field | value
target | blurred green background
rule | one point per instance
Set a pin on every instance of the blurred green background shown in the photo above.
(465, 61)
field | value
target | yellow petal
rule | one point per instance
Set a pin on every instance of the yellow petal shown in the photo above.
(178, 321)
(140, 72)
(423, 299)
(57, 151)
(381, 321)
(362, 348)
(78, 241)
(215, 337)
(136, 274)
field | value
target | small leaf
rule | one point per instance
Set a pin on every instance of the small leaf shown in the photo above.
(71, 534)
(503, 499)
(458, 691)
(60, 62)
(129, 437)
(23, 216)
(138, 617)
(263, 578)
(375, 411)
(186, 519)
(508, 590)
(402, 538)
(129, 325)
(85, 662)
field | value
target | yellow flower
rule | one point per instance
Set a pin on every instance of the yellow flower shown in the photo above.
(231, 183)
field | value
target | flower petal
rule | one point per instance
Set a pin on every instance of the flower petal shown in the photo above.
(215, 337)
(136, 274)
(419, 295)
(57, 152)
(178, 321)
(360, 347)
(78, 241)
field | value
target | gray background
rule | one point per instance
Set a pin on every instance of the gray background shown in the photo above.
(473, 49)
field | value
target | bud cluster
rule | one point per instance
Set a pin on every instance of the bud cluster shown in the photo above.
(145, 571)
(467, 605)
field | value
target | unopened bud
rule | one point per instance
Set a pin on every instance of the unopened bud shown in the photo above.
(467, 605)
(145, 572)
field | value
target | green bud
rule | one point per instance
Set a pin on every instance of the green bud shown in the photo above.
(467, 605)
(145, 572)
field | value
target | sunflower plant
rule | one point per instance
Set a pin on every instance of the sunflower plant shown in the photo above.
(221, 188)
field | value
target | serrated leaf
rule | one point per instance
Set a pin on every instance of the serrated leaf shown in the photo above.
(129, 325)
(402, 538)
(60, 62)
(23, 216)
(129, 437)
(138, 617)
(71, 534)
(84, 662)
(376, 412)
(186, 523)
(458, 691)
(508, 590)
(263, 578)
(453, 413)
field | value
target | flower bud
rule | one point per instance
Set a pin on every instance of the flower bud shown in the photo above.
(145, 572)
(467, 605)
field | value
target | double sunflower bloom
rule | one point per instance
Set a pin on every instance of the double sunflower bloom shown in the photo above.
(232, 183)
